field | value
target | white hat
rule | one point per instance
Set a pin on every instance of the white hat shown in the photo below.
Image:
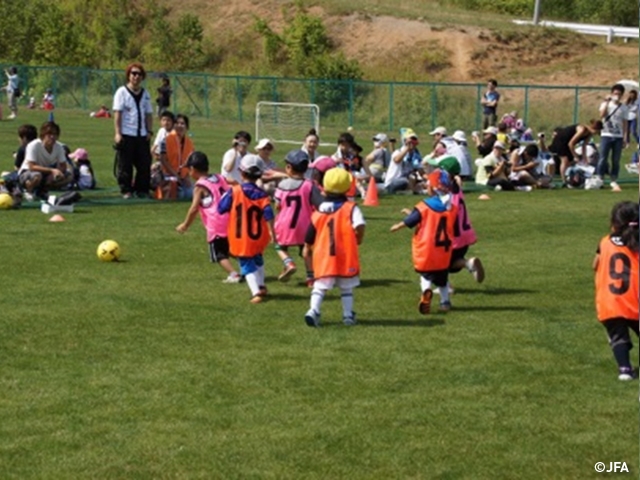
(263, 143)
(459, 136)
(499, 144)
(381, 138)
(251, 162)
(492, 130)
(439, 131)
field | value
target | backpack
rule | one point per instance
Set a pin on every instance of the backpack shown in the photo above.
(576, 177)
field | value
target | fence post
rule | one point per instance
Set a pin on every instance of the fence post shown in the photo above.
(478, 100)
(434, 107)
(350, 102)
(206, 95)
(239, 97)
(576, 104)
(391, 84)
(84, 88)
(312, 88)
(526, 104)
(274, 89)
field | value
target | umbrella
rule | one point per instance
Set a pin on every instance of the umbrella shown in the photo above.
(629, 84)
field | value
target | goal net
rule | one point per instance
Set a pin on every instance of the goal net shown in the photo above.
(286, 122)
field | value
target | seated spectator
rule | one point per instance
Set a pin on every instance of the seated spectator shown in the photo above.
(344, 150)
(84, 177)
(167, 121)
(45, 164)
(510, 119)
(47, 100)
(26, 134)
(503, 134)
(310, 145)
(379, 158)
(524, 164)
(485, 145)
(404, 161)
(103, 112)
(177, 182)
(493, 169)
(32, 103)
(459, 150)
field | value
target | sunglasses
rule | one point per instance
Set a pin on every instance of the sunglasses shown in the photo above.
(135, 73)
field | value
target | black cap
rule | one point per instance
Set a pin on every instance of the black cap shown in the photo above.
(199, 161)
(297, 157)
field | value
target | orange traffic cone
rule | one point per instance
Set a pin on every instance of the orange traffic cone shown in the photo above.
(371, 197)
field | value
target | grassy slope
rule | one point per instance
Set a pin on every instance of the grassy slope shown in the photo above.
(152, 368)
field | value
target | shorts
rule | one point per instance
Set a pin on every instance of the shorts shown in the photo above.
(457, 254)
(439, 277)
(327, 283)
(219, 249)
(250, 264)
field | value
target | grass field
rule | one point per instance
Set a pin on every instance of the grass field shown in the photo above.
(152, 368)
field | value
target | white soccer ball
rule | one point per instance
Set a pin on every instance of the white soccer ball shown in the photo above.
(109, 251)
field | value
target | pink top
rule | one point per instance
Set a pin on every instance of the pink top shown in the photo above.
(294, 217)
(464, 234)
(215, 223)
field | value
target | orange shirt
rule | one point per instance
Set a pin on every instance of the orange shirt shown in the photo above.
(335, 250)
(248, 231)
(177, 152)
(616, 281)
(432, 243)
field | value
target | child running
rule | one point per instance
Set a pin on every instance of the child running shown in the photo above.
(295, 200)
(208, 190)
(463, 233)
(336, 230)
(616, 279)
(250, 224)
(434, 218)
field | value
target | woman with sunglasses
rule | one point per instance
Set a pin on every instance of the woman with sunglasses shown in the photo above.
(133, 121)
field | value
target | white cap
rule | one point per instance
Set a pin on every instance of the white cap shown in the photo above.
(250, 162)
(439, 130)
(492, 130)
(499, 144)
(459, 136)
(381, 138)
(263, 143)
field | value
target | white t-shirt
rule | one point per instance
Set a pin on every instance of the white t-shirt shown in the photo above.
(38, 155)
(231, 158)
(357, 218)
(132, 118)
(462, 155)
(394, 170)
(616, 114)
(490, 161)
(14, 83)
(160, 137)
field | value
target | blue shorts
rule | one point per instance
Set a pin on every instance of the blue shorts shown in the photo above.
(250, 264)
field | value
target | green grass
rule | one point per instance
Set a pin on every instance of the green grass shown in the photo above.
(152, 368)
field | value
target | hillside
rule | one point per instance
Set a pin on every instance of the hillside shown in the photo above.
(444, 46)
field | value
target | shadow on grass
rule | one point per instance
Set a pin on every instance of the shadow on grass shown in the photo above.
(489, 308)
(426, 323)
(381, 282)
(493, 291)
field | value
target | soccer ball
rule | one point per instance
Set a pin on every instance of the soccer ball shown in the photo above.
(109, 251)
(6, 202)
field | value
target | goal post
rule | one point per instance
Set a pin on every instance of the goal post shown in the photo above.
(286, 122)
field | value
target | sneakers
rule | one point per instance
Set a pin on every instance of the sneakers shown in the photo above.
(498, 188)
(524, 188)
(424, 307)
(127, 195)
(444, 307)
(615, 187)
(477, 270)
(256, 299)
(350, 320)
(233, 278)
(625, 374)
(312, 318)
(289, 270)
(12, 116)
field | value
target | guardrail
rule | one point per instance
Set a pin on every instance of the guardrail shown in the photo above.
(608, 31)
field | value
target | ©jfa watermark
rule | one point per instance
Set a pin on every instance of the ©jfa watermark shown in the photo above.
(612, 467)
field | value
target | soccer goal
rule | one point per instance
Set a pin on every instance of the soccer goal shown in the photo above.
(286, 122)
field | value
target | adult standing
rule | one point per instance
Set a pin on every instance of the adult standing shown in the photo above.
(566, 141)
(13, 91)
(632, 106)
(164, 96)
(489, 103)
(133, 121)
(615, 123)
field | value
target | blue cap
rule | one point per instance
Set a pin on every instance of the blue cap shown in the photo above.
(296, 157)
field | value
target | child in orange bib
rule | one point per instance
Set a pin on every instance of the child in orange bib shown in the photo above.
(250, 224)
(616, 279)
(332, 241)
(432, 244)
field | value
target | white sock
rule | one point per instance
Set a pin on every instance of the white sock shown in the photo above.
(425, 284)
(469, 265)
(252, 282)
(346, 295)
(260, 276)
(444, 294)
(317, 296)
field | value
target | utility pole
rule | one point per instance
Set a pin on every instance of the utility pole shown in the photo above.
(536, 12)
